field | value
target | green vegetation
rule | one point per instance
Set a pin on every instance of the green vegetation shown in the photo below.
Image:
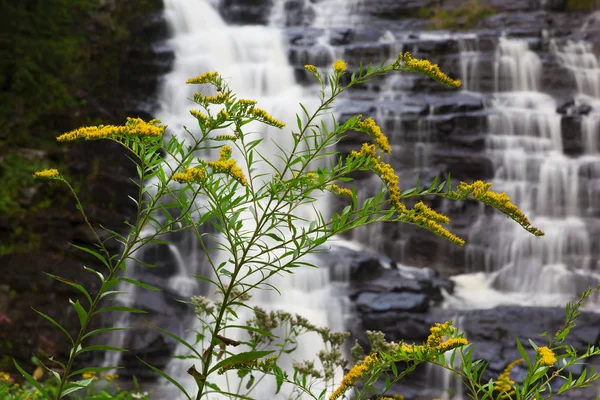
(100, 387)
(459, 18)
(55, 55)
(252, 204)
(582, 5)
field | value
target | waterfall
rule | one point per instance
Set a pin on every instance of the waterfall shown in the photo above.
(252, 59)
(525, 143)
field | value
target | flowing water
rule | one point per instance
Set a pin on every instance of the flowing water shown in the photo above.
(252, 59)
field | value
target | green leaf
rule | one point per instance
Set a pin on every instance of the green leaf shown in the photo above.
(92, 369)
(120, 308)
(177, 338)
(523, 352)
(72, 284)
(241, 357)
(102, 330)
(75, 386)
(167, 377)
(59, 326)
(100, 347)
(81, 313)
(31, 380)
(92, 252)
(102, 279)
(138, 283)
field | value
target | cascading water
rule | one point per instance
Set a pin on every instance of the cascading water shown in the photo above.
(525, 143)
(253, 61)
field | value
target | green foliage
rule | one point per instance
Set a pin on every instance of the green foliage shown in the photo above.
(459, 18)
(54, 55)
(252, 202)
(582, 5)
(96, 388)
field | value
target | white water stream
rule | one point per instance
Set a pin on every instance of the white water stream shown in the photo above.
(253, 61)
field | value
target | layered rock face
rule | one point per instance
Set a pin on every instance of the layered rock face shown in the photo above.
(527, 114)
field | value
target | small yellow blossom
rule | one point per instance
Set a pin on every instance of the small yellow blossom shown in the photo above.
(223, 114)
(109, 377)
(340, 190)
(385, 172)
(246, 102)
(133, 127)
(547, 356)
(310, 68)
(5, 377)
(88, 375)
(437, 332)
(225, 153)
(226, 164)
(405, 62)
(207, 77)
(452, 343)
(190, 175)
(504, 383)
(358, 371)
(481, 191)
(339, 66)
(369, 127)
(225, 137)
(46, 174)
(266, 118)
(431, 214)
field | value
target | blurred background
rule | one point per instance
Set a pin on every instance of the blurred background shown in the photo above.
(526, 118)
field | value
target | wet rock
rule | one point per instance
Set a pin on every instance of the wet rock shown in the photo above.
(246, 11)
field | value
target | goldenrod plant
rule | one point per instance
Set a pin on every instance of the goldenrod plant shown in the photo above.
(251, 199)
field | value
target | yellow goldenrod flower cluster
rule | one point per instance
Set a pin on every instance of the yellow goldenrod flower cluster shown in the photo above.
(451, 344)
(333, 188)
(547, 356)
(504, 383)
(246, 102)
(369, 127)
(190, 175)
(88, 375)
(310, 68)
(433, 227)
(227, 165)
(339, 66)
(109, 377)
(358, 371)
(133, 127)
(5, 377)
(265, 117)
(225, 153)
(405, 62)
(431, 214)
(481, 191)
(385, 172)
(225, 137)
(223, 115)
(219, 98)
(207, 77)
(431, 220)
(47, 174)
(436, 343)
(437, 332)
(202, 119)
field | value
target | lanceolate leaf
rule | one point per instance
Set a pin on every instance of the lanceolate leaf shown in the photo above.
(73, 284)
(32, 381)
(59, 326)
